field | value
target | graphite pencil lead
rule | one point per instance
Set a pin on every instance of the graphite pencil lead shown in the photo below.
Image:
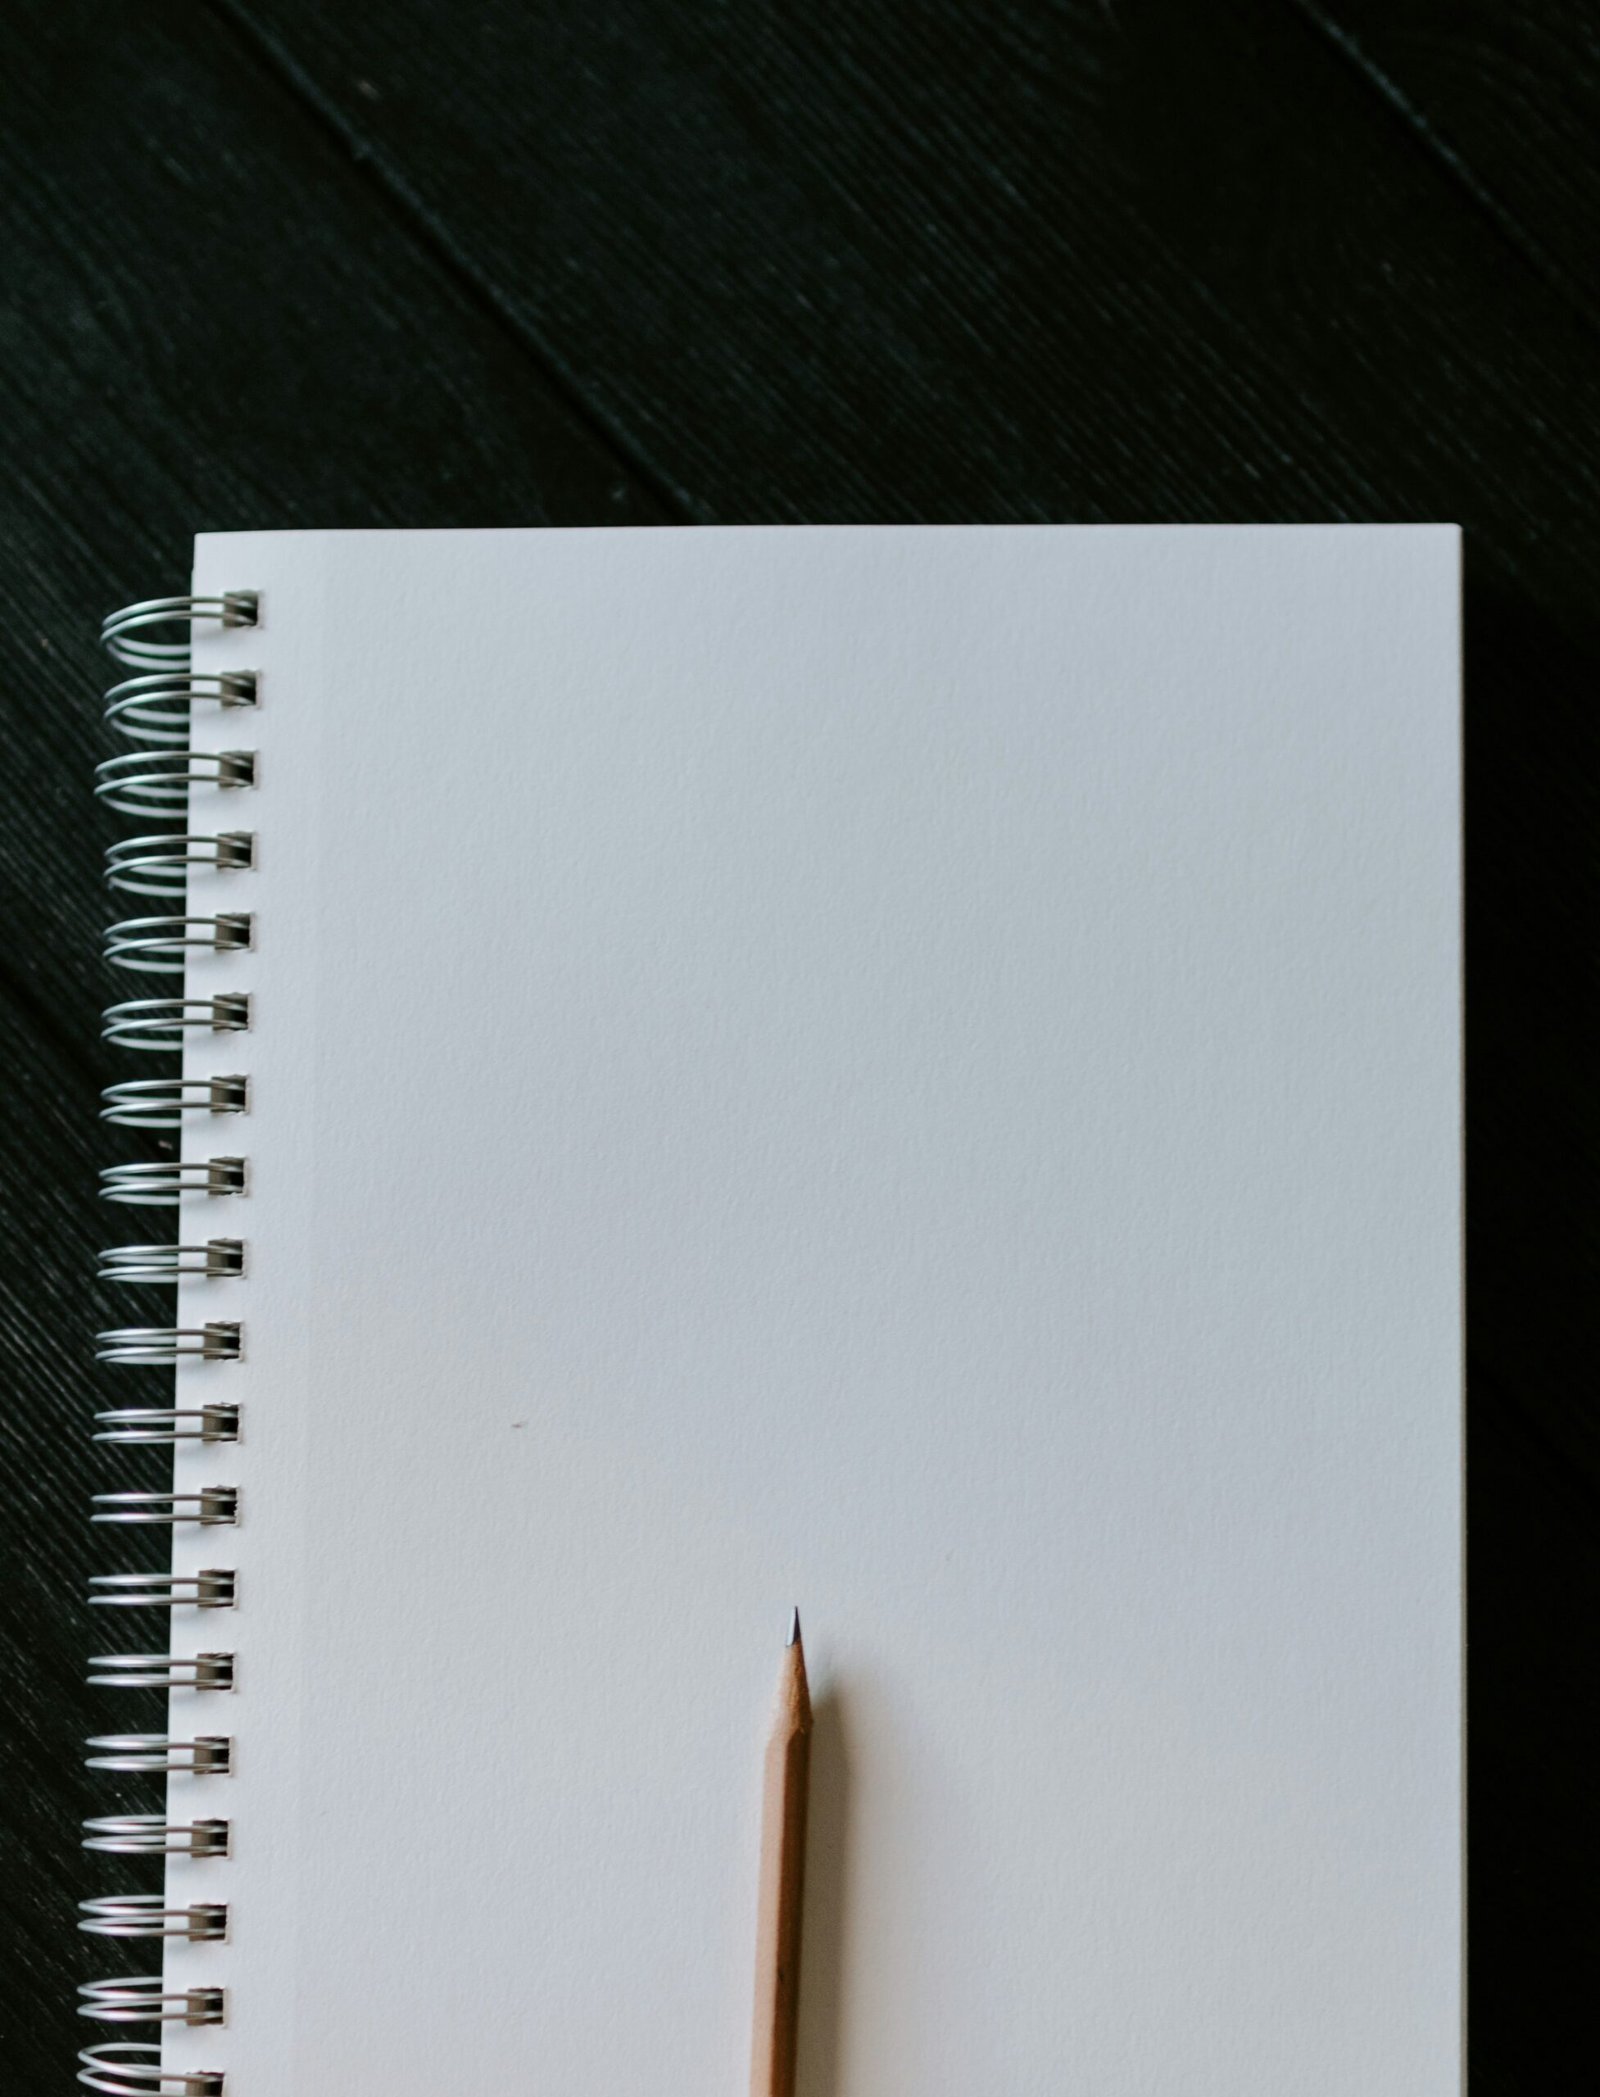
(794, 1627)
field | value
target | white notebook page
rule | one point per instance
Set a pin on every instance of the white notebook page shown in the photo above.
(909, 1071)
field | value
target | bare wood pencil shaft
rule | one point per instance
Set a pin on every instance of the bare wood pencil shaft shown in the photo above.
(783, 1869)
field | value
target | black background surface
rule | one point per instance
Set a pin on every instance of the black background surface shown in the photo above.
(274, 263)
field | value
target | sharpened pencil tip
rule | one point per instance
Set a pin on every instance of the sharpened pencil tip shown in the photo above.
(794, 1627)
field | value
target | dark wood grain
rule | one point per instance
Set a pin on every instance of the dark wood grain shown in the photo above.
(924, 260)
(271, 263)
(1506, 98)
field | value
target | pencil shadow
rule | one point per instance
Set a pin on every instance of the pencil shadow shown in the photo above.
(825, 1960)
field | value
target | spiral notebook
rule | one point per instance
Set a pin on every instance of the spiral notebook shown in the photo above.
(913, 1072)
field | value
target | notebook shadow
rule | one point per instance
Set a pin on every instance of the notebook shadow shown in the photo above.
(826, 1951)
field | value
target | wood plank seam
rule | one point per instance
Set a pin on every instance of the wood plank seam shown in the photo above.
(1424, 133)
(422, 225)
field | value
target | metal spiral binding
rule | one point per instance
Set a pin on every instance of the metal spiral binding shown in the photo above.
(215, 1587)
(140, 1999)
(161, 1671)
(168, 1425)
(157, 782)
(147, 1915)
(160, 781)
(158, 946)
(135, 2070)
(158, 711)
(155, 1026)
(216, 1260)
(159, 866)
(148, 1835)
(159, 1346)
(236, 608)
(214, 1506)
(161, 1103)
(211, 1755)
(161, 1185)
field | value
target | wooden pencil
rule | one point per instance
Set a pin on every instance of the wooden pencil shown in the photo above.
(783, 1869)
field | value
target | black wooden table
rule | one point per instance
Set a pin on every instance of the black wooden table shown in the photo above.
(273, 262)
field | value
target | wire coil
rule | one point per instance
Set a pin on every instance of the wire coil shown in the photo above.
(161, 1671)
(167, 1426)
(161, 1103)
(156, 1026)
(162, 1185)
(214, 1506)
(159, 866)
(160, 946)
(158, 1754)
(217, 1260)
(156, 709)
(216, 1587)
(135, 2070)
(142, 1999)
(125, 634)
(149, 1835)
(147, 1915)
(160, 1346)
(155, 782)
